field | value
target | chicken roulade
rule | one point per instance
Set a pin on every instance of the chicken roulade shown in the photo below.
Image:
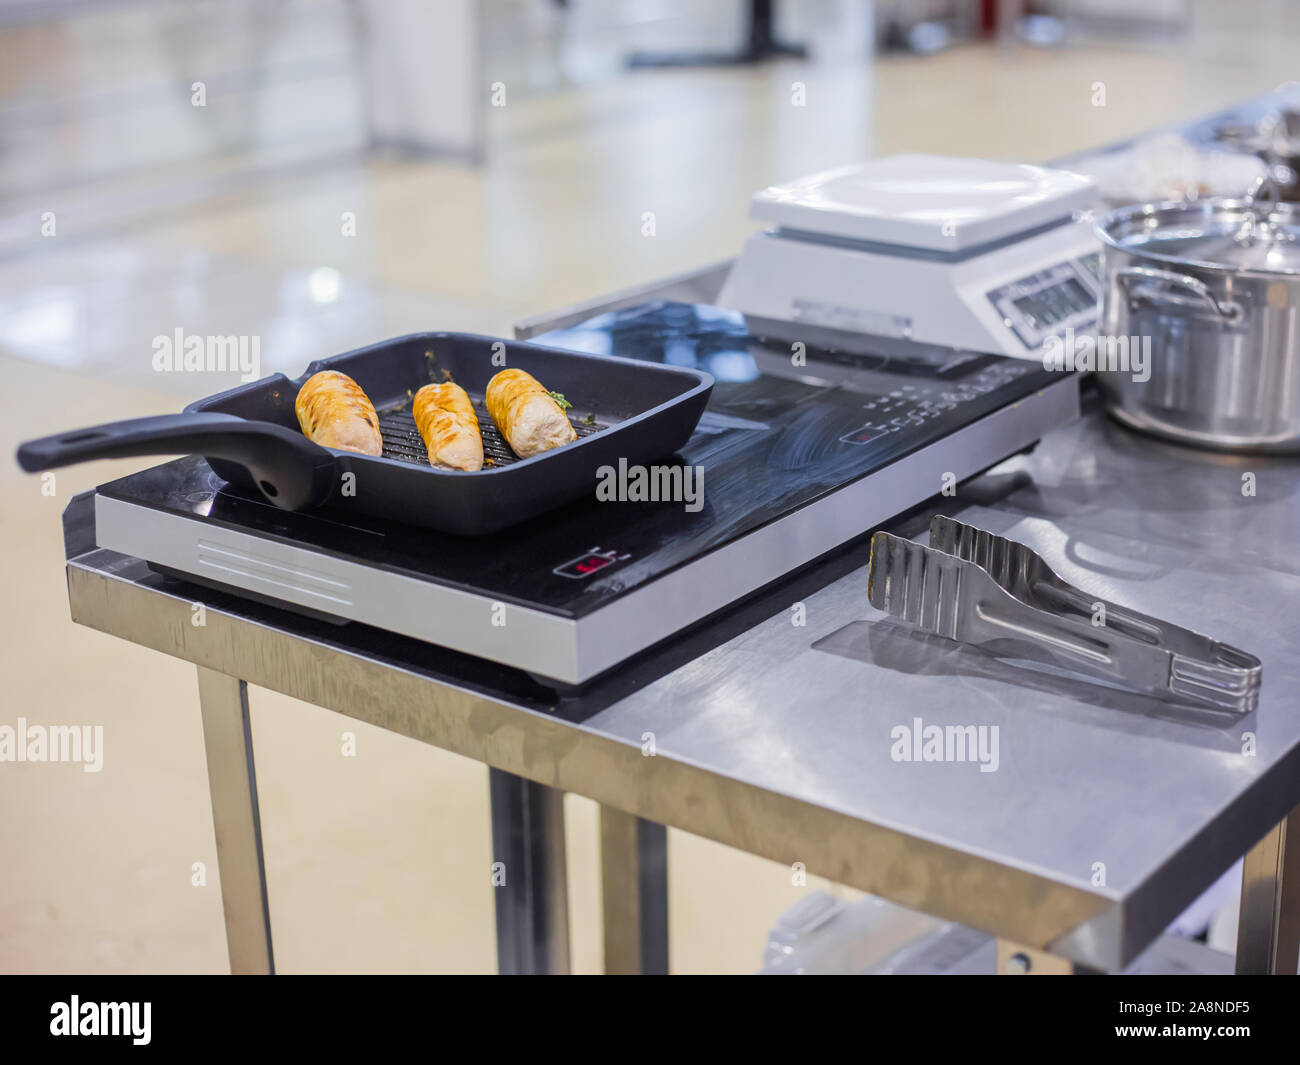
(334, 412)
(528, 416)
(447, 423)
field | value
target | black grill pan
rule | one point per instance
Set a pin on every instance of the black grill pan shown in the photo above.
(621, 408)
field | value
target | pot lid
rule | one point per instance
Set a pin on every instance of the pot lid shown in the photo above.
(1256, 236)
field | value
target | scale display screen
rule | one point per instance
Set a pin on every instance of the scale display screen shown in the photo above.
(1048, 302)
(1057, 304)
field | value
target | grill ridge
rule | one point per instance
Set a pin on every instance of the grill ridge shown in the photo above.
(402, 440)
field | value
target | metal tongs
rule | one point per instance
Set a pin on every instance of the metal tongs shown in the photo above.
(978, 588)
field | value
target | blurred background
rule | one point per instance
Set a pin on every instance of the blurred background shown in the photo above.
(325, 173)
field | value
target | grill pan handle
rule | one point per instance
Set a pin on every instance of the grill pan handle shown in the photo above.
(288, 469)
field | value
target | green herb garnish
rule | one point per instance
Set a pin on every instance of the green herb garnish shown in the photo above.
(564, 403)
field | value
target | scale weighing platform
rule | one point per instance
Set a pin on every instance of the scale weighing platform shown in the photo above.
(795, 460)
(959, 252)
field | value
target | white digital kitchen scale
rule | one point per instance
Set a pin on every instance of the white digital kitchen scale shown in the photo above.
(967, 253)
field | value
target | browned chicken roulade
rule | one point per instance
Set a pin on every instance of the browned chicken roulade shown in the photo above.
(334, 412)
(447, 422)
(527, 414)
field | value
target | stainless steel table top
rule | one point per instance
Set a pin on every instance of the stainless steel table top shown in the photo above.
(774, 727)
(1141, 803)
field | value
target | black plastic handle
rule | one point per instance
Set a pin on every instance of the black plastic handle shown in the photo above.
(289, 469)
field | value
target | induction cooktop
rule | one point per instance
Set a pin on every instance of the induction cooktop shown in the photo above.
(801, 449)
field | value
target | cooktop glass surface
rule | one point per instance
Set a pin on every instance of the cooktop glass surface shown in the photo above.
(786, 424)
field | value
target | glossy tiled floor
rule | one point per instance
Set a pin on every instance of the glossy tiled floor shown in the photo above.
(380, 862)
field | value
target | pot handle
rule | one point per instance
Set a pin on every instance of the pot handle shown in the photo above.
(1229, 312)
(1263, 194)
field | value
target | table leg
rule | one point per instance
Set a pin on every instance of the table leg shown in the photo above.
(232, 782)
(634, 890)
(1268, 925)
(532, 897)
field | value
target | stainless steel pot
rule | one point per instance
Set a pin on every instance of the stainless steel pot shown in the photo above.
(1211, 290)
